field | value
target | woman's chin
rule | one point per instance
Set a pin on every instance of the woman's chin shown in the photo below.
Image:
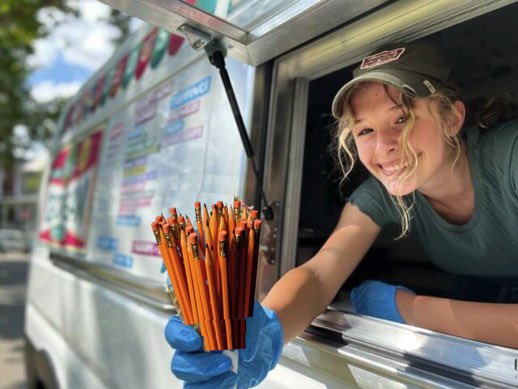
(396, 188)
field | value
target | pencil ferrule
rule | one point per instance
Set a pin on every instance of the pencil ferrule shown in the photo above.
(222, 249)
(195, 253)
(176, 233)
(157, 237)
(168, 241)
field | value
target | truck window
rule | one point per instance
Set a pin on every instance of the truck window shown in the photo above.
(484, 66)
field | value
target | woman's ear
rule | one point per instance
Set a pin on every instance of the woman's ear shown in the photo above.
(457, 119)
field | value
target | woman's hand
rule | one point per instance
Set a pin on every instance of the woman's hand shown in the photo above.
(385, 301)
(191, 364)
(199, 369)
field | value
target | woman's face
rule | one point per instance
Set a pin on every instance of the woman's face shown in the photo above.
(379, 122)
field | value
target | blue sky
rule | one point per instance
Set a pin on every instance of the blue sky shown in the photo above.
(60, 71)
(74, 50)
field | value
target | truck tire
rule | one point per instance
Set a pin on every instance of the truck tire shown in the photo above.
(39, 369)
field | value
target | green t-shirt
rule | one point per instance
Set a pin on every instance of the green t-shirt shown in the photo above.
(487, 245)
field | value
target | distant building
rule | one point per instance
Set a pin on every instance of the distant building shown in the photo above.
(19, 193)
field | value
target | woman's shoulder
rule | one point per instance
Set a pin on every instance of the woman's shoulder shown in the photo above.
(497, 141)
(494, 148)
(373, 199)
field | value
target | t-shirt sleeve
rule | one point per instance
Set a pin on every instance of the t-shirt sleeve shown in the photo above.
(373, 200)
(499, 151)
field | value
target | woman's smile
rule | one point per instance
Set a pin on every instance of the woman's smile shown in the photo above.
(422, 163)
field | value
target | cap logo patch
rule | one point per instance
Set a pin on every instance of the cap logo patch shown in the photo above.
(382, 58)
(430, 86)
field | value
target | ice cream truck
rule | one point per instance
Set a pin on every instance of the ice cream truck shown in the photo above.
(153, 128)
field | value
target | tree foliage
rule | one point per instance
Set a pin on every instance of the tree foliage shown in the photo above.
(19, 28)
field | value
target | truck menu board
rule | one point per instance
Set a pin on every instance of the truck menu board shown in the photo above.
(175, 144)
(66, 218)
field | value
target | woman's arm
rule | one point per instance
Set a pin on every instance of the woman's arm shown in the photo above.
(305, 292)
(485, 322)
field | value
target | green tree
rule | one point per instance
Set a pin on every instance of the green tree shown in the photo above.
(19, 28)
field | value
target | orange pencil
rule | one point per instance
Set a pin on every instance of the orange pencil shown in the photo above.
(241, 276)
(189, 276)
(206, 217)
(188, 221)
(225, 213)
(232, 220)
(199, 223)
(241, 269)
(175, 271)
(197, 296)
(160, 239)
(175, 229)
(223, 252)
(215, 268)
(257, 233)
(219, 206)
(253, 215)
(214, 221)
(249, 293)
(206, 316)
(233, 263)
(222, 223)
(181, 222)
(214, 303)
(237, 210)
(178, 266)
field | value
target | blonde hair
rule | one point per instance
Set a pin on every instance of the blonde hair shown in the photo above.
(442, 100)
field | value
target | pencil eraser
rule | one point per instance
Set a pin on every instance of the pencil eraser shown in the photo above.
(193, 238)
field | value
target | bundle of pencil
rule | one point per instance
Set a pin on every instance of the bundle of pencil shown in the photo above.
(212, 269)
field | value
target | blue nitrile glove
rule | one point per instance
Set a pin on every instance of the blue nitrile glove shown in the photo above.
(207, 370)
(378, 299)
(264, 341)
(199, 369)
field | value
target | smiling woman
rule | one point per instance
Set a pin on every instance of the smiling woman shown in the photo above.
(401, 116)
(435, 173)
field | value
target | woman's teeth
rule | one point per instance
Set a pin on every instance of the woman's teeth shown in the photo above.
(390, 170)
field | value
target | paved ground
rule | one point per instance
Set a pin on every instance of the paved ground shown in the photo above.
(13, 278)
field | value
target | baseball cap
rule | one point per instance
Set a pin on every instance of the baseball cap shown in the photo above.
(416, 68)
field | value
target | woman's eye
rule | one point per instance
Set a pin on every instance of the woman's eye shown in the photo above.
(364, 131)
(401, 120)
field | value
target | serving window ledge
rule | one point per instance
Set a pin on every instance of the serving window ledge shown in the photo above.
(415, 355)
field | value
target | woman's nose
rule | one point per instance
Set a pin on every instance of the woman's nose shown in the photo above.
(387, 141)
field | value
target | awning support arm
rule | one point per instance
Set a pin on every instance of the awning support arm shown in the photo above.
(216, 53)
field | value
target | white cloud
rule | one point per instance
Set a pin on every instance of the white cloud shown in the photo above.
(45, 51)
(46, 91)
(88, 45)
(83, 41)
